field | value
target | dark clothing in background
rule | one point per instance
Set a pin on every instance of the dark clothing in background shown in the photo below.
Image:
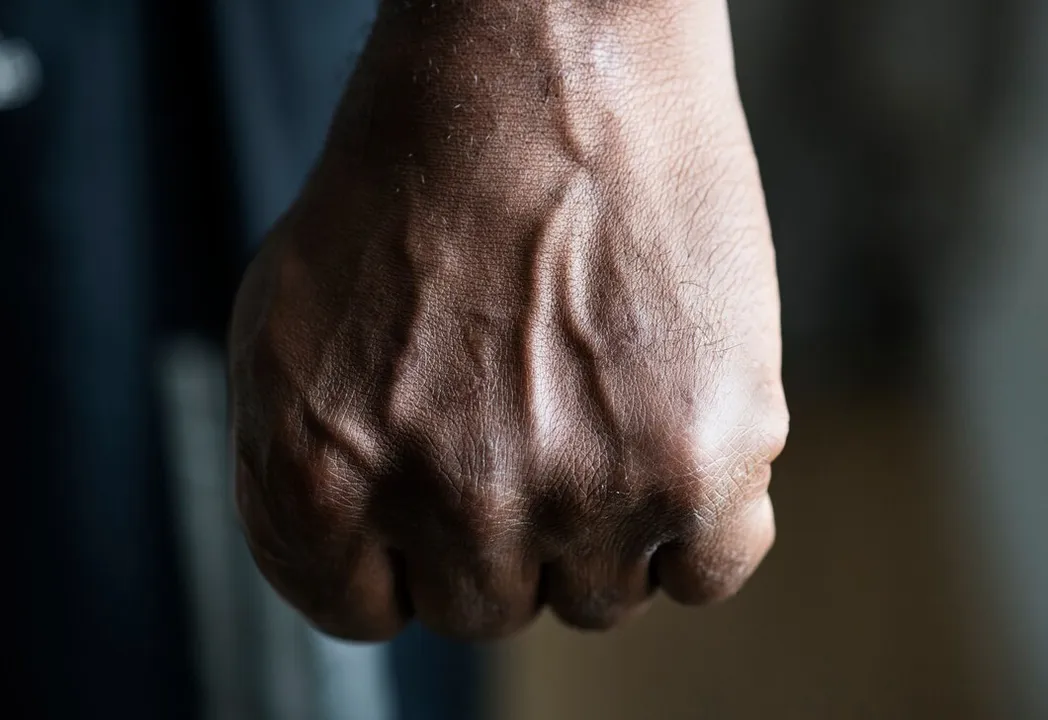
(166, 137)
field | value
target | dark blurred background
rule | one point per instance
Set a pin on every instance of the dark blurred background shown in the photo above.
(146, 147)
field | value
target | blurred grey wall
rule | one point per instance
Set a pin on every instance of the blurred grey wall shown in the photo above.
(904, 145)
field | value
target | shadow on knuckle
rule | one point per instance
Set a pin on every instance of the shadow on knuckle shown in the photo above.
(475, 615)
(591, 610)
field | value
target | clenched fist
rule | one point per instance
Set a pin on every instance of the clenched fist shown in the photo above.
(517, 342)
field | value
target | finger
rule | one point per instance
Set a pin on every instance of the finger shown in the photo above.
(598, 590)
(712, 564)
(350, 589)
(367, 602)
(598, 547)
(466, 571)
(486, 594)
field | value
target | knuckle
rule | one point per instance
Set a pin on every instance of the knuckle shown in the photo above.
(591, 610)
(722, 580)
(745, 418)
(478, 599)
(734, 556)
(735, 467)
(717, 559)
(473, 616)
(772, 431)
(707, 580)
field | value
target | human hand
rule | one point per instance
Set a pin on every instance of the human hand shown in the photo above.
(517, 342)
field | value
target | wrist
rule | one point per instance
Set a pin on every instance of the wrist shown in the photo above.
(547, 83)
(562, 37)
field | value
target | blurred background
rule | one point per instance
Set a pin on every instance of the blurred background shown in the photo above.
(145, 148)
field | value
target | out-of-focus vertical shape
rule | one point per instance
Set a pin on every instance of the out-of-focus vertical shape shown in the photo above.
(994, 335)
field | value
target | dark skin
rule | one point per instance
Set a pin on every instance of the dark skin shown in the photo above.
(517, 341)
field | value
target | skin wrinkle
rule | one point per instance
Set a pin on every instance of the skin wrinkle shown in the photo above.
(517, 341)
